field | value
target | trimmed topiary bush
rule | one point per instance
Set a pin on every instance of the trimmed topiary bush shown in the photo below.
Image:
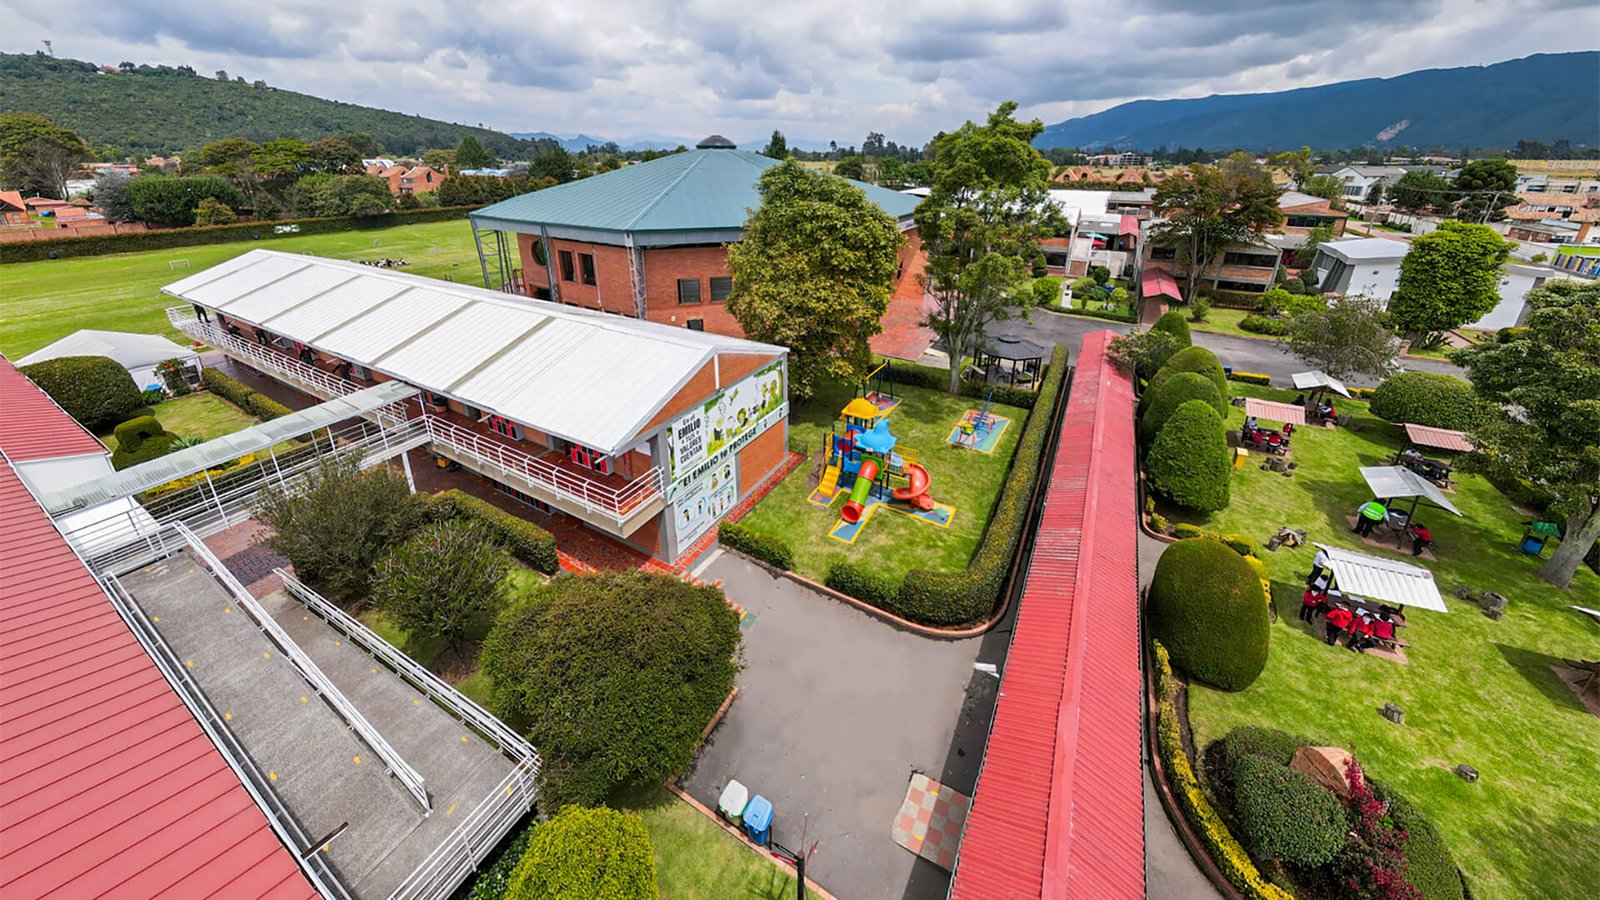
(583, 854)
(1285, 815)
(1173, 393)
(1191, 359)
(1205, 607)
(1427, 398)
(95, 390)
(1172, 323)
(1188, 460)
(140, 439)
(1264, 325)
(1226, 752)
(1429, 865)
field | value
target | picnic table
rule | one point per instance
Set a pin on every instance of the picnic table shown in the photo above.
(1588, 671)
(1362, 607)
(1437, 471)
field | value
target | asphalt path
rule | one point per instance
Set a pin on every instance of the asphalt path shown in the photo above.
(1244, 354)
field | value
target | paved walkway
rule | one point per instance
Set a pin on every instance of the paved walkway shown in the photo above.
(836, 711)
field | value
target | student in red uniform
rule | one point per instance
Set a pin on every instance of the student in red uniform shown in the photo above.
(1421, 537)
(1360, 632)
(1336, 622)
(1311, 601)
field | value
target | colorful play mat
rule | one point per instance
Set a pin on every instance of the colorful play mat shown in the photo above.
(978, 431)
(940, 515)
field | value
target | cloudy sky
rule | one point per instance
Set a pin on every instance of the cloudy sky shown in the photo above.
(819, 70)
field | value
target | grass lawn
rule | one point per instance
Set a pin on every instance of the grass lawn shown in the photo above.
(49, 299)
(1475, 691)
(202, 414)
(1226, 321)
(893, 543)
(695, 858)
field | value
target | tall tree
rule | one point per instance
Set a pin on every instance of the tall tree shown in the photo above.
(37, 156)
(334, 156)
(851, 167)
(441, 578)
(1419, 189)
(814, 272)
(1325, 186)
(987, 209)
(111, 196)
(1208, 208)
(471, 155)
(555, 163)
(232, 159)
(777, 146)
(1297, 163)
(1448, 278)
(1545, 382)
(1486, 188)
(1348, 337)
(282, 160)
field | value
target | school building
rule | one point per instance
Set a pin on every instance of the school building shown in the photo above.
(648, 240)
(640, 431)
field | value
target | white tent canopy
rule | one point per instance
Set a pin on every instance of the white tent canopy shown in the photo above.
(1398, 482)
(1316, 378)
(1383, 580)
(138, 353)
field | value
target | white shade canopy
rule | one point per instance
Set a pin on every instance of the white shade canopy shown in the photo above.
(1383, 580)
(1316, 378)
(1396, 482)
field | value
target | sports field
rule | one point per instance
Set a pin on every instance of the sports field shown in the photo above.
(45, 300)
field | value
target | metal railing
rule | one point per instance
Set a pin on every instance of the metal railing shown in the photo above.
(408, 777)
(256, 784)
(481, 830)
(595, 497)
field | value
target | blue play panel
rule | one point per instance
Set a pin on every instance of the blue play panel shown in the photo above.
(984, 437)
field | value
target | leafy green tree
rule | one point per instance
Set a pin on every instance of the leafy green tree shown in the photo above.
(339, 522)
(282, 160)
(1544, 380)
(1486, 187)
(853, 167)
(1448, 278)
(614, 677)
(165, 201)
(814, 273)
(232, 159)
(211, 211)
(1308, 250)
(37, 156)
(1145, 352)
(335, 156)
(585, 854)
(1420, 189)
(1297, 163)
(362, 143)
(1208, 209)
(471, 155)
(556, 164)
(441, 579)
(111, 195)
(341, 195)
(777, 147)
(1325, 186)
(1427, 398)
(980, 226)
(1349, 336)
(1375, 194)
(1172, 322)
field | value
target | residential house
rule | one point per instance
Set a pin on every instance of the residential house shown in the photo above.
(1253, 268)
(1515, 283)
(38, 204)
(1303, 212)
(1534, 207)
(421, 180)
(1357, 181)
(1099, 235)
(1133, 176)
(1128, 158)
(13, 209)
(1140, 204)
(73, 216)
(1367, 266)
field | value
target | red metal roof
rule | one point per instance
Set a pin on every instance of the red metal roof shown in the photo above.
(1159, 283)
(1130, 224)
(110, 787)
(1059, 806)
(32, 426)
(1442, 438)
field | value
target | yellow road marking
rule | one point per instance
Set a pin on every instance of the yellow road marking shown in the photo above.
(155, 618)
(304, 699)
(189, 663)
(450, 810)
(265, 655)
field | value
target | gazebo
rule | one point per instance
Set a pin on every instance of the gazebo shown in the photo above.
(1317, 381)
(1399, 483)
(1383, 580)
(1012, 357)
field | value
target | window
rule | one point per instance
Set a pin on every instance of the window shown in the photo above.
(589, 459)
(1241, 286)
(697, 325)
(566, 264)
(688, 290)
(1306, 221)
(586, 263)
(504, 427)
(721, 287)
(539, 254)
(1163, 252)
(1235, 258)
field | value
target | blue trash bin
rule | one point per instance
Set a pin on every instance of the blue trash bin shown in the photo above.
(758, 819)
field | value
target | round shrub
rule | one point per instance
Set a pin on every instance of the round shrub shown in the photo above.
(613, 677)
(1426, 398)
(1264, 325)
(1286, 815)
(141, 439)
(1188, 460)
(1294, 286)
(1191, 359)
(1226, 752)
(1173, 393)
(584, 853)
(1429, 865)
(1205, 607)
(95, 390)
(1172, 323)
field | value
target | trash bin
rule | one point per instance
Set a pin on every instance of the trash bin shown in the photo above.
(758, 820)
(732, 802)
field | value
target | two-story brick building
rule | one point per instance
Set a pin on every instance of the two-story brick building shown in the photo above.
(647, 240)
(644, 433)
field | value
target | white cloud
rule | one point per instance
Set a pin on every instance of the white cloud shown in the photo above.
(827, 69)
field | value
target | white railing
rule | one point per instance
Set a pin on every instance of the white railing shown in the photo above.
(408, 777)
(482, 829)
(594, 496)
(312, 863)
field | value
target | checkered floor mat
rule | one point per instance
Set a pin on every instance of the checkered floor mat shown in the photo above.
(930, 821)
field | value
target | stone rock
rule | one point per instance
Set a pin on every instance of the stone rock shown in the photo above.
(1394, 713)
(1467, 773)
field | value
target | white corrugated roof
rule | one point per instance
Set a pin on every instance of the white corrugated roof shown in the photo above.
(1391, 482)
(1366, 249)
(1305, 381)
(1385, 580)
(590, 377)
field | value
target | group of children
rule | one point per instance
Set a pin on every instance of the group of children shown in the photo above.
(1361, 628)
(1274, 440)
(1372, 512)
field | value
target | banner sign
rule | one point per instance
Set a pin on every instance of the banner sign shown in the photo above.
(701, 502)
(724, 423)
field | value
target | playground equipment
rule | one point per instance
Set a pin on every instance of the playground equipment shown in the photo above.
(858, 493)
(863, 460)
(877, 388)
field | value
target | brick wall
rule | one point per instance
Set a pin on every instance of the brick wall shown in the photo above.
(759, 457)
(662, 269)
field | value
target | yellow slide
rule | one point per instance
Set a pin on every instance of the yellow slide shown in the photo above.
(829, 483)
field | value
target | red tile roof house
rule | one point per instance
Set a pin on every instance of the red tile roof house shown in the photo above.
(650, 240)
(13, 209)
(418, 180)
(111, 788)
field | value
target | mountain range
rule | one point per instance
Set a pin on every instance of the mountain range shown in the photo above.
(1546, 97)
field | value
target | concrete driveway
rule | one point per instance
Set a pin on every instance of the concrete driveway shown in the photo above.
(836, 710)
(1244, 354)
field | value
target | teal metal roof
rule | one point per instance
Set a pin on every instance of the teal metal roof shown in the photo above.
(698, 190)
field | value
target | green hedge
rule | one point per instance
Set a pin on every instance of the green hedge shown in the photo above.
(1175, 392)
(770, 550)
(1188, 460)
(140, 440)
(1191, 359)
(1172, 323)
(939, 380)
(954, 598)
(169, 238)
(1264, 325)
(528, 543)
(1427, 398)
(95, 390)
(1205, 606)
(1236, 299)
(256, 404)
(863, 584)
(1285, 815)
(1107, 314)
(582, 854)
(1250, 378)
(1225, 753)
(493, 879)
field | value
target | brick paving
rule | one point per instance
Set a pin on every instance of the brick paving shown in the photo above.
(930, 821)
(903, 336)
